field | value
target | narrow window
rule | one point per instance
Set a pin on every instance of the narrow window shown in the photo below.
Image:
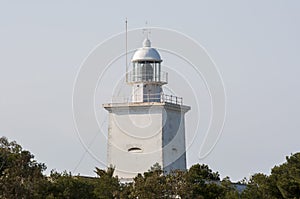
(135, 150)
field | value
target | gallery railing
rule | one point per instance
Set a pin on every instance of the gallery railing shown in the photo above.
(156, 97)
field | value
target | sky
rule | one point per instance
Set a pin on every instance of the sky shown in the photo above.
(254, 44)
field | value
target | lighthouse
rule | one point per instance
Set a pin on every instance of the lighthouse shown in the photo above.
(148, 127)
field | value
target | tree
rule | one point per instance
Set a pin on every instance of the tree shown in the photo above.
(106, 186)
(151, 184)
(20, 175)
(199, 172)
(198, 182)
(202, 182)
(287, 177)
(284, 181)
(258, 187)
(176, 184)
(228, 190)
(65, 186)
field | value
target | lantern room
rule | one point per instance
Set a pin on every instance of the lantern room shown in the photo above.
(146, 66)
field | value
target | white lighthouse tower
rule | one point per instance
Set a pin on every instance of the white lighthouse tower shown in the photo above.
(149, 127)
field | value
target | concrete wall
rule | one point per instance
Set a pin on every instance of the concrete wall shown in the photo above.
(146, 92)
(134, 128)
(173, 140)
(142, 134)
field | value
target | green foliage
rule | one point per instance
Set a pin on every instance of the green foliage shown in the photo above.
(228, 192)
(198, 182)
(284, 181)
(106, 186)
(201, 181)
(287, 177)
(202, 172)
(22, 177)
(149, 185)
(257, 186)
(64, 185)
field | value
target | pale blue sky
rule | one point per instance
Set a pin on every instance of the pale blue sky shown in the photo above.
(255, 45)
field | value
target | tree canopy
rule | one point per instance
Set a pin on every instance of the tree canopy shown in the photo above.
(21, 176)
(283, 182)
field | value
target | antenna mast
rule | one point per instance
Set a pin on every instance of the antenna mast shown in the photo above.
(146, 30)
(126, 51)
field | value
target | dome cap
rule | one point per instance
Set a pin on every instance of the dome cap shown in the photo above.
(146, 53)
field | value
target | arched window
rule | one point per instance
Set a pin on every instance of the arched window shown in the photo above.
(135, 150)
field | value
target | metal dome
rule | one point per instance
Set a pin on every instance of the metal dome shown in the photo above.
(146, 53)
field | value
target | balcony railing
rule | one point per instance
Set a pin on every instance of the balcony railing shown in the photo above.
(156, 97)
(159, 77)
(172, 99)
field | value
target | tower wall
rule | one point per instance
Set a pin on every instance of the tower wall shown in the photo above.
(146, 93)
(142, 134)
(134, 139)
(173, 139)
